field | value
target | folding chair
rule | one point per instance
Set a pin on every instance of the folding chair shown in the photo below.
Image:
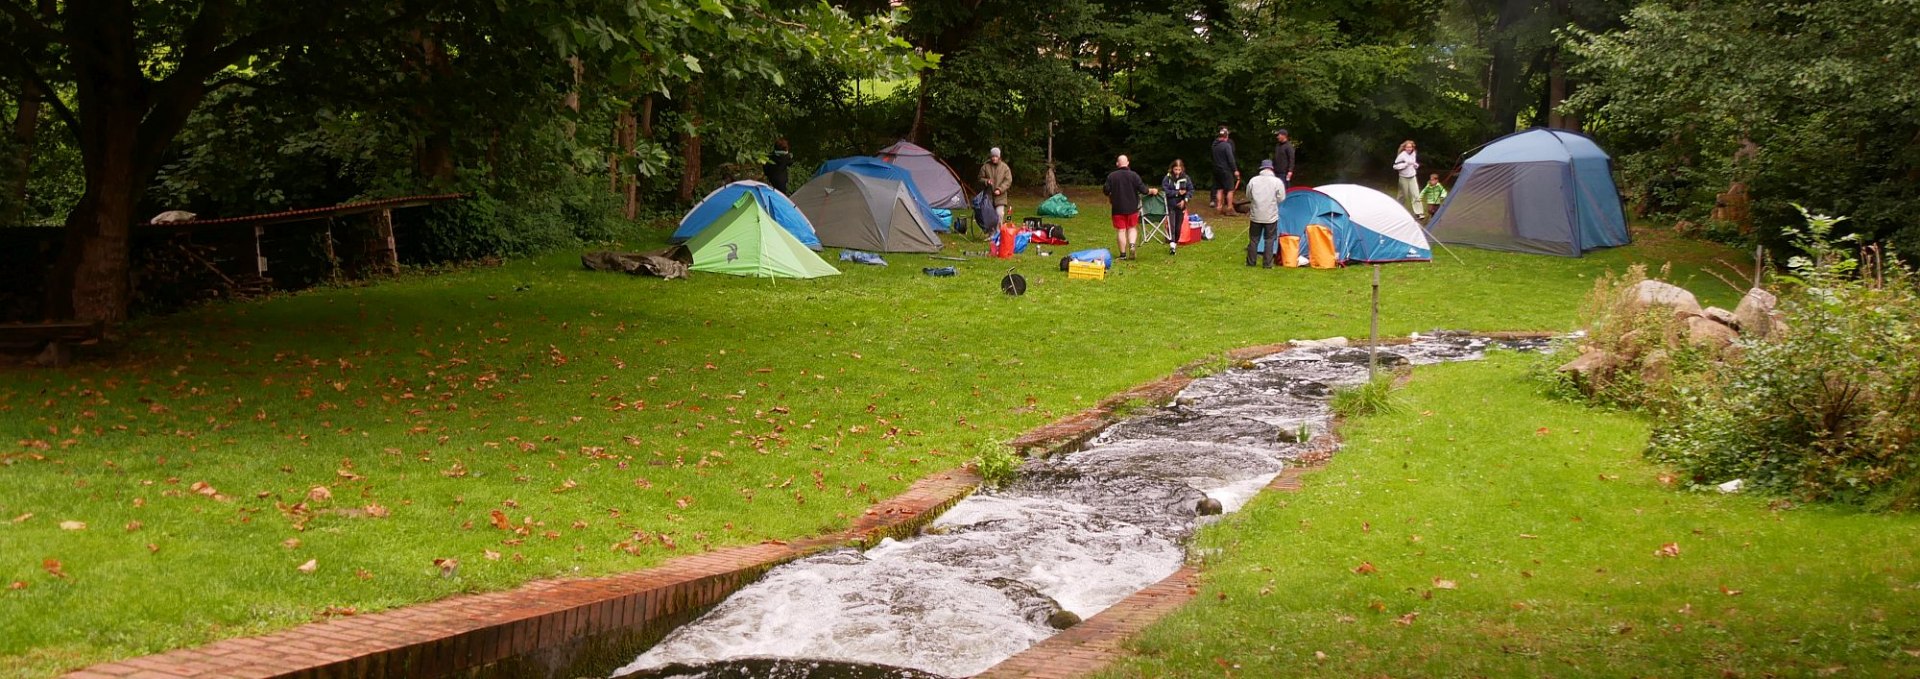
(1153, 220)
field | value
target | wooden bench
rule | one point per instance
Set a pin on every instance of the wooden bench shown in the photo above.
(50, 342)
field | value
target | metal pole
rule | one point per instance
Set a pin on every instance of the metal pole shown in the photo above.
(1373, 329)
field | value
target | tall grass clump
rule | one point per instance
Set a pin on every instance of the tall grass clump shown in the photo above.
(1373, 397)
(1827, 410)
(996, 463)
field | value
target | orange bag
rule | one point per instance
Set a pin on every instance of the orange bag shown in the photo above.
(1289, 251)
(1320, 252)
(1004, 248)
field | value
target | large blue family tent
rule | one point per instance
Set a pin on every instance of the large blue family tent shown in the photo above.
(1541, 191)
(717, 204)
(870, 166)
(1361, 226)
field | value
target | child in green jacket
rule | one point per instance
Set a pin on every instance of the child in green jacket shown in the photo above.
(1434, 194)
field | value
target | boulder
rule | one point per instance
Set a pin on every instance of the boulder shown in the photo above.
(1208, 507)
(1661, 293)
(1591, 369)
(1721, 316)
(1703, 332)
(1655, 367)
(1062, 619)
(1753, 314)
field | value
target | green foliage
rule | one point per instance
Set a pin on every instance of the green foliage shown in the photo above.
(1213, 365)
(1373, 397)
(1808, 99)
(1830, 410)
(996, 463)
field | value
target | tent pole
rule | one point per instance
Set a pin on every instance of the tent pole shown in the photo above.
(1373, 329)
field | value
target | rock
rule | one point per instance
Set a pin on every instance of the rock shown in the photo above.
(1661, 293)
(1591, 369)
(1655, 367)
(1631, 344)
(1751, 317)
(1330, 342)
(1721, 316)
(1703, 332)
(1062, 619)
(1208, 507)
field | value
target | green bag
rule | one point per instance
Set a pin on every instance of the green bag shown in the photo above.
(1058, 206)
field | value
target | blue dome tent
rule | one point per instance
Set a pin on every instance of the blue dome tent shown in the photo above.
(1369, 227)
(879, 169)
(717, 204)
(1542, 191)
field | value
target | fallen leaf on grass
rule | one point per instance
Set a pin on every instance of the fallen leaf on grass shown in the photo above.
(73, 525)
(490, 555)
(319, 494)
(1670, 549)
(153, 548)
(310, 566)
(363, 574)
(377, 511)
(1442, 583)
(52, 567)
(203, 488)
(1407, 619)
(23, 517)
(1729, 592)
(1365, 568)
(18, 584)
(1543, 431)
(134, 526)
(1528, 536)
(448, 567)
(1667, 479)
(499, 519)
(290, 543)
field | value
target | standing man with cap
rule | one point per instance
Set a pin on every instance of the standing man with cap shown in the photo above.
(1283, 156)
(1265, 191)
(1124, 189)
(996, 178)
(1226, 172)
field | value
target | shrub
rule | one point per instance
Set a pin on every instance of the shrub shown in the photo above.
(1828, 410)
(1373, 397)
(996, 463)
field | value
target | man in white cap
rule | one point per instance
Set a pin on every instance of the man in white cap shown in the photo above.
(1266, 191)
(997, 178)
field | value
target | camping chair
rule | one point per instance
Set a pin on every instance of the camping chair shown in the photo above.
(1153, 219)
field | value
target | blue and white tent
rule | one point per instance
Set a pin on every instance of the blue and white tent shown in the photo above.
(1542, 191)
(722, 199)
(1369, 227)
(879, 169)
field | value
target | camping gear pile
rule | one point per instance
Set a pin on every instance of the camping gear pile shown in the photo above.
(1013, 239)
(1542, 191)
(669, 263)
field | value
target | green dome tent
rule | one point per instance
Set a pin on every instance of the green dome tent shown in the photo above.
(746, 241)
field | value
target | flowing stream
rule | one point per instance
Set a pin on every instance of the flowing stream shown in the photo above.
(1005, 569)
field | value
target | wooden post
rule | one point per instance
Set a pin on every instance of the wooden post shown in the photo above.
(382, 256)
(1759, 259)
(1373, 329)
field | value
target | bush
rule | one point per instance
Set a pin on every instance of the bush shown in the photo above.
(1828, 410)
(499, 221)
(996, 463)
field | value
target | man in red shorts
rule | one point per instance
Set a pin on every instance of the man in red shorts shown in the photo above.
(1124, 189)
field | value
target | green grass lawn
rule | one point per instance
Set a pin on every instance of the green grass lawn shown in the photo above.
(1488, 530)
(534, 419)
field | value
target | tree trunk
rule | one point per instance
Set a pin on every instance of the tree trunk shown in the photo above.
(1558, 89)
(1508, 74)
(90, 280)
(433, 154)
(24, 128)
(690, 145)
(919, 111)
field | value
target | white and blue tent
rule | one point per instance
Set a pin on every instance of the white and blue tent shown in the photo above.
(716, 205)
(1369, 227)
(1542, 191)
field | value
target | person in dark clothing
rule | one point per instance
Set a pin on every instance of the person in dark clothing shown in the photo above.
(1226, 172)
(778, 164)
(1124, 189)
(1177, 187)
(1283, 156)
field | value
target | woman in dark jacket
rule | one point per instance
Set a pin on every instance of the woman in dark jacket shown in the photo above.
(1177, 187)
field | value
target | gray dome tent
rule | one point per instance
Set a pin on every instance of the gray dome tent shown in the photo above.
(850, 210)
